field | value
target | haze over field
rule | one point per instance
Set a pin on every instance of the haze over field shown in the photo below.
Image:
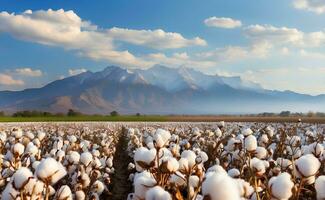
(163, 58)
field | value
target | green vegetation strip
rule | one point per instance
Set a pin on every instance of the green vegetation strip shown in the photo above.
(84, 118)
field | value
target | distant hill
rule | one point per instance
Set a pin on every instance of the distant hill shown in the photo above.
(158, 90)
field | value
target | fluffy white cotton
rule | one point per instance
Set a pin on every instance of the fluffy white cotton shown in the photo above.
(219, 186)
(142, 183)
(320, 187)
(307, 165)
(18, 149)
(86, 158)
(74, 157)
(234, 173)
(157, 193)
(170, 164)
(190, 156)
(281, 186)
(144, 158)
(250, 143)
(161, 137)
(50, 170)
(64, 193)
(247, 132)
(21, 176)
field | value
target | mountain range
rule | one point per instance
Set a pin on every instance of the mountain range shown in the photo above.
(157, 90)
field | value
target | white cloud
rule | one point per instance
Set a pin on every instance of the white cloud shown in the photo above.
(282, 35)
(8, 80)
(29, 72)
(222, 22)
(235, 53)
(317, 6)
(73, 72)
(67, 30)
(158, 39)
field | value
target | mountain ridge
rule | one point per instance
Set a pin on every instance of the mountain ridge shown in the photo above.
(157, 90)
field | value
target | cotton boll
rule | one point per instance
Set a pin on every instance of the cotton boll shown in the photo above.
(245, 189)
(31, 149)
(259, 166)
(64, 193)
(247, 132)
(98, 187)
(250, 143)
(190, 157)
(17, 133)
(86, 158)
(41, 135)
(263, 140)
(9, 193)
(80, 195)
(260, 153)
(319, 186)
(157, 193)
(178, 179)
(50, 170)
(34, 186)
(142, 183)
(284, 163)
(316, 149)
(170, 165)
(21, 177)
(281, 186)
(216, 169)
(307, 165)
(131, 166)
(18, 149)
(234, 173)
(144, 158)
(220, 187)
(74, 157)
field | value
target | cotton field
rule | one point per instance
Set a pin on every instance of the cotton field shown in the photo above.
(162, 161)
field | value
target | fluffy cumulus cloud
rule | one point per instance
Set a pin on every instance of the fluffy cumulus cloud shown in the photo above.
(67, 30)
(158, 39)
(317, 6)
(8, 80)
(285, 36)
(29, 72)
(222, 22)
(73, 72)
(235, 53)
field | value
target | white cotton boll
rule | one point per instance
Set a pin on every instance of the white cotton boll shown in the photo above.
(281, 186)
(157, 193)
(294, 140)
(217, 169)
(263, 139)
(234, 173)
(245, 189)
(64, 193)
(231, 144)
(72, 139)
(218, 132)
(74, 157)
(9, 193)
(95, 153)
(3, 137)
(31, 149)
(259, 166)
(98, 187)
(41, 135)
(221, 124)
(178, 180)
(142, 182)
(109, 162)
(190, 157)
(18, 149)
(17, 133)
(144, 157)
(284, 163)
(131, 166)
(250, 143)
(86, 158)
(34, 186)
(260, 153)
(80, 195)
(204, 157)
(30, 135)
(307, 165)
(269, 131)
(50, 170)
(247, 132)
(319, 186)
(170, 164)
(21, 176)
(309, 133)
(35, 164)
(316, 149)
(159, 141)
(220, 187)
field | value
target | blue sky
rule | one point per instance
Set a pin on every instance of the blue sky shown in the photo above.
(279, 44)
